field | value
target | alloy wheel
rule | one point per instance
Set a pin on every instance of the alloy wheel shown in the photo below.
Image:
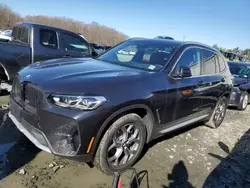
(124, 146)
(220, 112)
(245, 102)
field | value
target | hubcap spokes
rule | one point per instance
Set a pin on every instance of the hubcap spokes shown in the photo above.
(245, 101)
(124, 145)
(220, 112)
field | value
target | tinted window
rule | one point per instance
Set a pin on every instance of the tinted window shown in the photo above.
(141, 54)
(21, 33)
(222, 64)
(48, 38)
(75, 44)
(190, 58)
(209, 63)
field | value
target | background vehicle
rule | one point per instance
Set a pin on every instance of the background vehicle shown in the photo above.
(5, 36)
(105, 110)
(240, 94)
(33, 42)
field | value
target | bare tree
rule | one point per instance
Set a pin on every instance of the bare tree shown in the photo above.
(93, 32)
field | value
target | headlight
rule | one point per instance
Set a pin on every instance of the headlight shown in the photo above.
(78, 102)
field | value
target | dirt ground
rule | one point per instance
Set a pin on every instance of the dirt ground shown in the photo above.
(194, 157)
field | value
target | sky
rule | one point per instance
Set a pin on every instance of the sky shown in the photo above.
(222, 22)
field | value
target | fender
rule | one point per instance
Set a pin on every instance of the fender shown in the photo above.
(116, 114)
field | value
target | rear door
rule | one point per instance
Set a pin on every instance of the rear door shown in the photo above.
(213, 80)
(73, 45)
(46, 44)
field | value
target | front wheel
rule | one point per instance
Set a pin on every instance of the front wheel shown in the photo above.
(218, 114)
(121, 145)
(243, 101)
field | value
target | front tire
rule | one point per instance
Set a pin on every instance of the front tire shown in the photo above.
(121, 144)
(243, 101)
(218, 114)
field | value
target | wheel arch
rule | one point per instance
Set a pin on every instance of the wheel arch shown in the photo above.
(5, 71)
(142, 110)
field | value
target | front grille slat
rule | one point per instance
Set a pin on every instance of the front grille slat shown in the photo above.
(33, 95)
(27, 93)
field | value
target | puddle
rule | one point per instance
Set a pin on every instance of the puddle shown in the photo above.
(4, 163)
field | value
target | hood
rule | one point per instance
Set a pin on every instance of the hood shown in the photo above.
(239, 80)
(79, 75)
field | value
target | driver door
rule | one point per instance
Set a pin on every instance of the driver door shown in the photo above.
(186, 92)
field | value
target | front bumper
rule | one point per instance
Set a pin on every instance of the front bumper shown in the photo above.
(33, 135)
(52, 132)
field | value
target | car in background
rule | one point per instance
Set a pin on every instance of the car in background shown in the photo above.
(5, 36)
(164, 37)
(32, 42)
(105, 110)
(240, 95)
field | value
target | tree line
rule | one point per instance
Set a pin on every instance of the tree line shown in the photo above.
(237, 50)
(93, 32)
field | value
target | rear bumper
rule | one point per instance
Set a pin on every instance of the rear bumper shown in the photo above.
(235, 97)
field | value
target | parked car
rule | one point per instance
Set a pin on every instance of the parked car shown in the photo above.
(105, 110)
(33, 42)
(241, 79)
(5, 36)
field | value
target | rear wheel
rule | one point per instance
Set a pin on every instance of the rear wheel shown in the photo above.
(122, 144)
(243, 101)
(219, 113)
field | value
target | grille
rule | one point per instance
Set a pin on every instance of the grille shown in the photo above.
(33, 95)
(27, 94)
(17, 89)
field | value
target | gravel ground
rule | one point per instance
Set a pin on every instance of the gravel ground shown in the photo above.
(194, 157)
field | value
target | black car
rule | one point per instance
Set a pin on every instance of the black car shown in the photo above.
(105, 110)
(241, 80)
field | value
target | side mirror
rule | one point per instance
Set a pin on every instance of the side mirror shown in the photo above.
(185, 72)
(94, 54)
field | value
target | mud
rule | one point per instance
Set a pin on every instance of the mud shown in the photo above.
(193, 157)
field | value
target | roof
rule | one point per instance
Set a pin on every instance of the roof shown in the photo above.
(28, 24)
(166, 41)
(176, 43)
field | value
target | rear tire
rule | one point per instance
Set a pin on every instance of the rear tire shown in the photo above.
(121, 144)
(243, 101)
(218, 114)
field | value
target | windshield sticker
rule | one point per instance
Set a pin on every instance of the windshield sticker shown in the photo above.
(151, 67)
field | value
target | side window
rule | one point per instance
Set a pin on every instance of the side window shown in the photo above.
(24, 35)
(21, 33)
(127, 54)
(221, 63)
(190, 58)
(74, 44)
(209, 63)
(48, 38)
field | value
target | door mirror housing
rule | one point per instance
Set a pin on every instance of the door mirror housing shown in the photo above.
(94, 53)
(185, 72)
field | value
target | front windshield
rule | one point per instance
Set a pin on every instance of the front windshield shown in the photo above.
(239, 70)
(140, 54)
